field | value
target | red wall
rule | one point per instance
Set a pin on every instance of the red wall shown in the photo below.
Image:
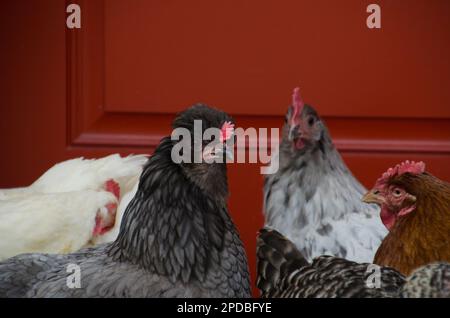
(115, 84)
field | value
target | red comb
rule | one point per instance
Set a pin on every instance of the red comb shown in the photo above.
(297, 103)
(227, 131)
(404, 167)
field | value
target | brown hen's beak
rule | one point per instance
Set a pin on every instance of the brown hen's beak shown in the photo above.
(373, 197)
(411, 198)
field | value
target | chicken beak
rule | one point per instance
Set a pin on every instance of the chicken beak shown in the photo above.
(371, 197)
(412, 198)
(223, 150)
(294, 132)
(229, 154)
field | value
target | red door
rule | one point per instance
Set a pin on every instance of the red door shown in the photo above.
(115, 84)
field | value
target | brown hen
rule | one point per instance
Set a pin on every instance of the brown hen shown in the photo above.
(415, 207)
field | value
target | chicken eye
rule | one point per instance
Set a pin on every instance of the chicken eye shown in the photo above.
(311, 121)
(397, 192)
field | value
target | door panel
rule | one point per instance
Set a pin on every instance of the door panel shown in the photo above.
(245, 55)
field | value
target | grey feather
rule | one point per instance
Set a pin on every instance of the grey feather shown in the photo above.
(315, 201)
(168, 246)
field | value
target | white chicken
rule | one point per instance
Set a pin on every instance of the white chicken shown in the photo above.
(70, 206)
(125, 199)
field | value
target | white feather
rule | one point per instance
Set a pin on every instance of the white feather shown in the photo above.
(82, 174)
(49, 223)
(56, 214)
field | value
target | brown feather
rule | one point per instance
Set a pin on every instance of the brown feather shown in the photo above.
(423, 236)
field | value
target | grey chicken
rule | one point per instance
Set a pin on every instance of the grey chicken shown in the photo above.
(313, 198)
(176, 237)
(283, 272)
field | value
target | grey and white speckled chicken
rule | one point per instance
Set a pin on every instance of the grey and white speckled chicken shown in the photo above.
(283, 272)
(176, 238)
(313, 198)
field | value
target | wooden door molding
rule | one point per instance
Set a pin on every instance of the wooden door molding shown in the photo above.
(89, 124)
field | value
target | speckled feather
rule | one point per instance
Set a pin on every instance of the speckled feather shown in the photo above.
(284, 273)
(315, 201)
(430, 281)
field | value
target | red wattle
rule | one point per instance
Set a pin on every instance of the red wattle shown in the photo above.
(98, 226)
(388, 218)
(103, 225)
